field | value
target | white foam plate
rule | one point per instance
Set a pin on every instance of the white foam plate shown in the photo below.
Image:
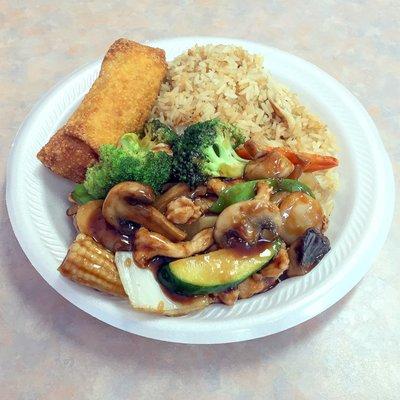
(37, 200)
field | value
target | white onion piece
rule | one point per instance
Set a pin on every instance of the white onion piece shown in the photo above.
(145, 293)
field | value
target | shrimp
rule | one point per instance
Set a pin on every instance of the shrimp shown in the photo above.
(308, 161)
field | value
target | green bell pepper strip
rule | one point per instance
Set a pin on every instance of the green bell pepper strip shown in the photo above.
(247, 190)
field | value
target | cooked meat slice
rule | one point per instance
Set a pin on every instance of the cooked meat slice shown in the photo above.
(260, 282)
(150, 244)
(183, 211)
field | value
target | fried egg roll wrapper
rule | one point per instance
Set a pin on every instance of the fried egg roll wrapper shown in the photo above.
(119, 101)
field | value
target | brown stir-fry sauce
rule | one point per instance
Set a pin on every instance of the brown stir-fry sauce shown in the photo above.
(154, 267)
(107, 235)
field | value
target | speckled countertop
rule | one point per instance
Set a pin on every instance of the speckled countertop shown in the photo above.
(51, 350)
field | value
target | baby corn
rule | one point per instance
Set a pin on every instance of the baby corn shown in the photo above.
(90, 264)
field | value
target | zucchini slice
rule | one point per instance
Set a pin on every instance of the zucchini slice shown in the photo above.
(215, 271)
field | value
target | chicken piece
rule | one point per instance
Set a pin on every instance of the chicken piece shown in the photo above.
(264, 191)
(277, 266)
(162, 201)
(266, 278)
(216, 185)
(119, 101)
(183, 211)
(204, 203)
(229, 297)
(90, 264)
(150, 244)
(253, 285)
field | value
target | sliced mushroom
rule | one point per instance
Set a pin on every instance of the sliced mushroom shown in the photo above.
(72, 210)
(307, 251)
(198, 192)
(278, 197)
(299, 212)
(90, 221)
(271, 165)
(150, 244)
(205, 221)
(248, 221)
(162, 201)
(132, 201)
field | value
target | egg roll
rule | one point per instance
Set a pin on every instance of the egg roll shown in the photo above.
(119, 101)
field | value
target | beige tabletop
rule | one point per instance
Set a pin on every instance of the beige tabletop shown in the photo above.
(49, 349)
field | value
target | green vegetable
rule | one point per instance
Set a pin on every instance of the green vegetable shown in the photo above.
(131, 161)
(156, 132)
(207, 149)
(290, 185)
(215, 271)
(81, 195)
(247, 190)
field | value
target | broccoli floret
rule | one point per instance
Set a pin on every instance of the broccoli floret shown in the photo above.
(131, 161)
(81, 195)
(207, 149)
(156, 132)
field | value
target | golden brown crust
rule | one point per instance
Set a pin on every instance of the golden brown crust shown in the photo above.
(119, 101)
(67, 156)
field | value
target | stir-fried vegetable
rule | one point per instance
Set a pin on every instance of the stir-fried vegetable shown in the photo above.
(256, 229)
(207, 149)
(156, 132)
(132, 161)
(215, 271)
(145, 294)
(81, 195)
(246, 190)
